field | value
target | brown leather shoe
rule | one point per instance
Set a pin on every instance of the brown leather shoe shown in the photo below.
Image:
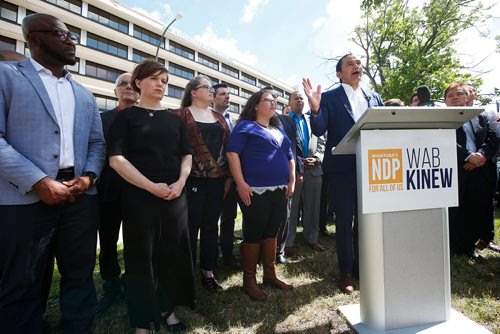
(317, 247)
(345, 283)
(289, 251)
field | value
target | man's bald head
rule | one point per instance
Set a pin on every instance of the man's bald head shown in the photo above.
(36, 21)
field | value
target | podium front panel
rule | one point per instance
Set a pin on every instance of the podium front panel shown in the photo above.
(408, 170)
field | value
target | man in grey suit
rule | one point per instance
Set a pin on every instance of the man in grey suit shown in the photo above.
(308, 185)
(51, 152)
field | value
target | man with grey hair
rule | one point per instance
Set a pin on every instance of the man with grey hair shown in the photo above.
(109, 202)
(51, 152)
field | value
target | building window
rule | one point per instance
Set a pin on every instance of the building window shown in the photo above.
(74, 68)
(280, 106)
(8, 11)
(233, 107)
(106, 45)
(175, 92)
(180, 71)
(181, 50)
(7, 43)
(278, 91)
(287, 95)
(138, 56)
(105, 102)
(74, 6)
(107, 19)
(235, 90)
(213, 80)
(207, 61)
(248, 79)
(230, 71)
(101, 72)
(263, 84)
(148, 36)
(245, 93)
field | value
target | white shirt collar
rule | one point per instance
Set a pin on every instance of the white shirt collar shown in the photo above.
(40, 68)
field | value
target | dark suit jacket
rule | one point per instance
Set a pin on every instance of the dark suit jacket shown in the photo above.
(291, 131)
(336, 117)
(109, 183)
(487, 143)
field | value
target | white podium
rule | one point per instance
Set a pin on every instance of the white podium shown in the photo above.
(407, 178)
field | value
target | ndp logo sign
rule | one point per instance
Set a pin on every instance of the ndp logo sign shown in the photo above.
(385, 168)
(407, 169)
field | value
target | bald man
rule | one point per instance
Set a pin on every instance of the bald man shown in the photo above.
(48, 201)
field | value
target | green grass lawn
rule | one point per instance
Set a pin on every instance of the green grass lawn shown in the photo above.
(311, 307)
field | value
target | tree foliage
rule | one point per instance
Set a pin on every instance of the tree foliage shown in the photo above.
(406, 46)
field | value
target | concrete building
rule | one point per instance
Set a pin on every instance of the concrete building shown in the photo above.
(113, 38)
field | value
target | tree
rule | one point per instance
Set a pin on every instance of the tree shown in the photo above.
(406, 46)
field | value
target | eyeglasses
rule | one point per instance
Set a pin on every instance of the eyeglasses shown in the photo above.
(123, 83)
(205, 86)
(268, 101)
(61, 34)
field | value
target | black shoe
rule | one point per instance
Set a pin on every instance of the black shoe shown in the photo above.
(173, 328)
(107, 300)
(211, 284)
(474, 257)
(281, 259)
(481, 244)
(231, 262)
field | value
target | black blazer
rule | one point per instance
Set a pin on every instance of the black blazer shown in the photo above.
(485, 139)
(291, 131)
(109, 184)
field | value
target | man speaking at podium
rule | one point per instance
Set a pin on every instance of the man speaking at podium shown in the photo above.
(335, 112)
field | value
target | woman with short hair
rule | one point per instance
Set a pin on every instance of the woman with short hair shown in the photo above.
(149, 148)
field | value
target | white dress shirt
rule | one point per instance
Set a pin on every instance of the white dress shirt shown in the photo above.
(63, 101)
(357, 99)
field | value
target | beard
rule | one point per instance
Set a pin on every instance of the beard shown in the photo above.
(55, 54)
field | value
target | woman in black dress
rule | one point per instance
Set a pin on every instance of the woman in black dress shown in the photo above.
(149, 148)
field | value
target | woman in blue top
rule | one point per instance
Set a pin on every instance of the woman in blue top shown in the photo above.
(262, 165)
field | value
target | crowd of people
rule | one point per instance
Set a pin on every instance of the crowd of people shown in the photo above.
(68, 172)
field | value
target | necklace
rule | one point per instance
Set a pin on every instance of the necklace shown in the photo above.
(262, 125)
(151, 112)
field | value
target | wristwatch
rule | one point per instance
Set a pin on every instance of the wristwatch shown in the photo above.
(92, 176)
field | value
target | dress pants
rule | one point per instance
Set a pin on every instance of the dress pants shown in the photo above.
(471, 220)
(28, 235)
(344, 195)
(284, 227)
(205, 198)
(227, 218)
(109, 231)
(309, 191)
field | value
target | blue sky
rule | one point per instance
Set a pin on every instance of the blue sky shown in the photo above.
(290, 39)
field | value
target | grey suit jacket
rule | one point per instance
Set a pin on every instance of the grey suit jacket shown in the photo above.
(30, 134)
